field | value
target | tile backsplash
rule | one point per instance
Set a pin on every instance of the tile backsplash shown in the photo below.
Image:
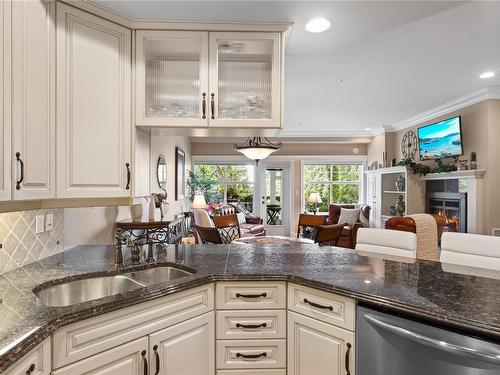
(20, 243)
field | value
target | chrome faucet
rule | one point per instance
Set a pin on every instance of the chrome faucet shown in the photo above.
(134, 249)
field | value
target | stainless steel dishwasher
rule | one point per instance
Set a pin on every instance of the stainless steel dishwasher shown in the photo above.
(391, 345)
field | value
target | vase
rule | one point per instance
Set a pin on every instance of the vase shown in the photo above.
(400, 206)
(400, 183)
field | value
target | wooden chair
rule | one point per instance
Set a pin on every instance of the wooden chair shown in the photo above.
(308, 225)
(328, 235)
(228, 226)
(208, 234)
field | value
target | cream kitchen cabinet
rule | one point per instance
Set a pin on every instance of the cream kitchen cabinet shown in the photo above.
(214, 79)
(93, 106)
(186, 348)
(130, 358)
(320, 332)
(172, 78)
(245, 80)
(33, 99)
(5, 95)
(36, 362)
(318, 348)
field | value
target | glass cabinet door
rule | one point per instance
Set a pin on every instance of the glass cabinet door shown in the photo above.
(172, 78)
(245, 79)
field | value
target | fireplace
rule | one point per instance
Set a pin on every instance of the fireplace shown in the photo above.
(444, 198)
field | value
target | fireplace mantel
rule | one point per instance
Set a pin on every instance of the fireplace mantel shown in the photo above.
(473, 186)
(470, 174)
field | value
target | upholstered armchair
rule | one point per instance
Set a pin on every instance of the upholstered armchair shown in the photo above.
(407, 224)
(250, 225)
(349, 232)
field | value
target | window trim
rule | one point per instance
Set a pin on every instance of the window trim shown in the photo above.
(360, 181)
(224, 182)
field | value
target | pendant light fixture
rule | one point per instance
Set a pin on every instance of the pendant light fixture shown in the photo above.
(257, 148)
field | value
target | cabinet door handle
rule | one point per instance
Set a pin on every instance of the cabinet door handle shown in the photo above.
(263, 354)
(347, 366)
(30, 369)
(127, 165)
(212, 105)
(18, 182)
(239, 295)
(143, 354)
(317, 305)
(204, 106)
(157, 357)
(262, 325)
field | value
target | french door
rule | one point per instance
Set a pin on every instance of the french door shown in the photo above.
(275, 198)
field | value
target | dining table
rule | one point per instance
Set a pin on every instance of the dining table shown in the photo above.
(269, 240)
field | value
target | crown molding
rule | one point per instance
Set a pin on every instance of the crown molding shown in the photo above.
(100, 11)
(485, 93)
(134, 24)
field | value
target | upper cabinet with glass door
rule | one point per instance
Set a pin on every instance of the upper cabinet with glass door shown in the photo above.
(172, 78)
(245, 84)
(214, 79)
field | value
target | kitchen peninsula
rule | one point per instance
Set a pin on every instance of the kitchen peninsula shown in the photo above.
(424, 290)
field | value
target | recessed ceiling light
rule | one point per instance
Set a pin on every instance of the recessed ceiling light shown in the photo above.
(487, 75)
(318, 25)
(368, 129)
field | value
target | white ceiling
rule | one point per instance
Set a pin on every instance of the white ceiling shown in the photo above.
(379, 64)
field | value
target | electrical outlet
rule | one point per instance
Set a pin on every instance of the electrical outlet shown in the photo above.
(49, 222)
(40, 224)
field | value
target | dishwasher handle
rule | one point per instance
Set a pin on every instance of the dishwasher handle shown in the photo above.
(433, 343)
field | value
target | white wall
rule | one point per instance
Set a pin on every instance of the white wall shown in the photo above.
(165, 144)
(96, 225)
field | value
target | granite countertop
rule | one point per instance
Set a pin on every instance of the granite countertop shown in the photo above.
(462, 298)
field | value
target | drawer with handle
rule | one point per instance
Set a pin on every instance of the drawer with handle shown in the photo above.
(324, 306)
(36, 362)
(251, 324)
(251, 354)
(274, 371)
(250, 295)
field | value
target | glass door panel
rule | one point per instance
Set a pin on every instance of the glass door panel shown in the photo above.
(274, 196)
(172, 77)
(245, 83)
(245, 79)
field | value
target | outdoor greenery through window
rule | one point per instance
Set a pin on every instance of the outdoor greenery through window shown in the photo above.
(231, 183)
(335, 183)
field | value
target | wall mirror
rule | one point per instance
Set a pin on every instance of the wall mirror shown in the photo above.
(161, 172)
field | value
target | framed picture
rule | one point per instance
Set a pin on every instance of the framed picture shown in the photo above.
(180, 171)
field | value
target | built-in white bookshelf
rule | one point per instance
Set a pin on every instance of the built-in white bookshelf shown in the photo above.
(382, 193)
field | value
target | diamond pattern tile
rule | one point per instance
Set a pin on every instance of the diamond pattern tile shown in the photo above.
(21, 245)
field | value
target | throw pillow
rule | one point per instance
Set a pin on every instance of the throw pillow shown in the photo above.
(349, 216)
(241, 218)
(363, 220)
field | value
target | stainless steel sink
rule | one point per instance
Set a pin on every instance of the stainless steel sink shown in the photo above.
(84, 290)
(79, 291)
(151, 276)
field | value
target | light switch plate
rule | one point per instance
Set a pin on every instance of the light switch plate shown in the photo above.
(40, 224)
(49, 222)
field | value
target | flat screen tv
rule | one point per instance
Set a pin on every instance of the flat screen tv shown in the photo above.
(440, 140)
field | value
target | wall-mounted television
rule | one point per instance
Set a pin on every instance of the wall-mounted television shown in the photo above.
(440, 140)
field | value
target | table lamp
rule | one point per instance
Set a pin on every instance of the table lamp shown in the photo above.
(199, 201)
(315, 199)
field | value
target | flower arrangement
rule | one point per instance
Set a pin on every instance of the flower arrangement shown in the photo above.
(215, 208)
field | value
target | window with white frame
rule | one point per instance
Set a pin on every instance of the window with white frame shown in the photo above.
(229, 183)
(334, 183)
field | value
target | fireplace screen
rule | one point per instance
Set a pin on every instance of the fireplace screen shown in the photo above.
(452, 207)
